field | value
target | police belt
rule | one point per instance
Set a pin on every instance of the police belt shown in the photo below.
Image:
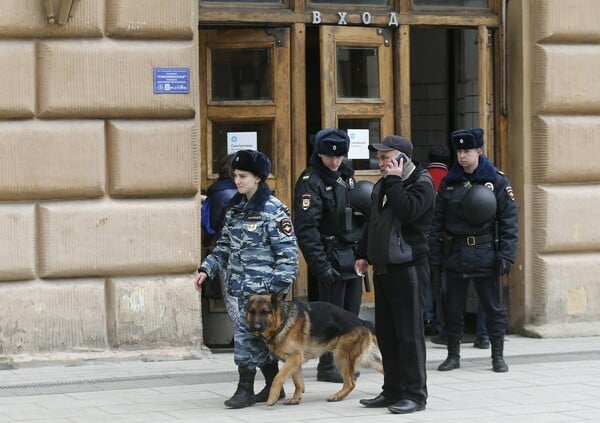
(470, 240)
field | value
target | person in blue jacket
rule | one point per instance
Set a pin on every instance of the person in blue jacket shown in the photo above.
(258, 248)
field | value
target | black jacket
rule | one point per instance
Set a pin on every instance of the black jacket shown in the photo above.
(320, 201)
(401, 211)
(479, 259)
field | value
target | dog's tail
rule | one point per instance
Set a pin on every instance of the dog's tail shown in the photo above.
(371, 356)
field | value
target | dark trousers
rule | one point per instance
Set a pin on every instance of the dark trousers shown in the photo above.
(399, 300)
(487, 291)
(345, 293)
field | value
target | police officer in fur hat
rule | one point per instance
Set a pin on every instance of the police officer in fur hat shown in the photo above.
(328, 228)
(476, 208)
(258, 249)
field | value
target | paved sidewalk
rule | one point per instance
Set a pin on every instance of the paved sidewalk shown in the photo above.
(550, 380)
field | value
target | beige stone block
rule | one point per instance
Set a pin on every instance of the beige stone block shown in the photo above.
(173, 19)
(566, 21)
(153, 312)
(17, 249)
(27, 19)
(52, 316)
(112, 79)
(564, 216)
(565, 79)
(51, 159)
(112, 237)
(566, 289)
(562, 148)
(17, 79)
(152, 157)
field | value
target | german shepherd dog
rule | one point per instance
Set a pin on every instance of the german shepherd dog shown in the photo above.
(296, 332)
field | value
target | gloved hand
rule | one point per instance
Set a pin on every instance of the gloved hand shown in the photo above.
(503, 266)
(328, 277)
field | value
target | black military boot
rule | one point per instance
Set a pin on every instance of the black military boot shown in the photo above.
(244, 395)
(326, 370)
(453, 360)
(498, 363)
(269, 371)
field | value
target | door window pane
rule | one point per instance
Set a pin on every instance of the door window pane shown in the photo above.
(374, 127)
(241, 74)
(357, 72)
(452, 3)
(219, 139)
(342, 2)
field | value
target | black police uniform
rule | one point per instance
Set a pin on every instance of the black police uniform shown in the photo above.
(327, 230)
(473, 253)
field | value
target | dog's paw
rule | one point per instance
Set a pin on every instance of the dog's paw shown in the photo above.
(292, 401)
(335, 398)
(271, 403)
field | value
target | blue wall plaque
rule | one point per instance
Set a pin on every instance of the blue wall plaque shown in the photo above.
(171, 80)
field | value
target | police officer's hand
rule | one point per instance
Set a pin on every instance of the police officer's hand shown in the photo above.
(328, 277)
(503, 266)
(200, 278)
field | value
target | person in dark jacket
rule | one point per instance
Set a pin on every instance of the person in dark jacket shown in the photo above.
(476, 208)
(395, 244)
(219, 194)
(328, 228)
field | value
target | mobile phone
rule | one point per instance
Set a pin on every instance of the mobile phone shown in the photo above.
(401, 157)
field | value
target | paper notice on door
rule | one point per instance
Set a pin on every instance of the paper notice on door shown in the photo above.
(359, 144)
(241, 141)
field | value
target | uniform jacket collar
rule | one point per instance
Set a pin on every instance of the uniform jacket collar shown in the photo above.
(485, 172)
(258, 200)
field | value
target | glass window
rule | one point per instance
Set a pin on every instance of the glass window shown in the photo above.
(219, 138)
(343, 2)
(374, 127)
(241, 1)
(357, 72)
(241, 74)
(452, 3)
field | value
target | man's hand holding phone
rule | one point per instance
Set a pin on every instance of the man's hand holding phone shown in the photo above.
(396, 165)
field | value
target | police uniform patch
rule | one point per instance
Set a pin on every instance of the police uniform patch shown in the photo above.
(351, 183)
(251, 226)
(489, 186)
(286, 226)
(510, 193)
(306, 202)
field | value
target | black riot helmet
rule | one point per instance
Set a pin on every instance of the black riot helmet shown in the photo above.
(478, 206)
(360, 196)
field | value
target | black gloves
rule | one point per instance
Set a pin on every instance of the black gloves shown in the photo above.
(328, 277)
(503, 266)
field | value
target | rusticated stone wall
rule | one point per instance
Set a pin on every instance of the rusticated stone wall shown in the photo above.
(99, 207)
(554, 127)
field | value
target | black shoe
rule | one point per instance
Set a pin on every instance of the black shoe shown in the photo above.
(263, 395)
(499, 365)
(329, 375)
(482, 343)
(450, 363)
(406, 406)
(379, 401)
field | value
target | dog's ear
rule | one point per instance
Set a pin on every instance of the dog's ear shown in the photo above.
(278, 296)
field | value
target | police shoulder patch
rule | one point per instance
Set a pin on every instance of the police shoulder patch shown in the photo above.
(306, 201)
(510, 193)
(286, 227)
